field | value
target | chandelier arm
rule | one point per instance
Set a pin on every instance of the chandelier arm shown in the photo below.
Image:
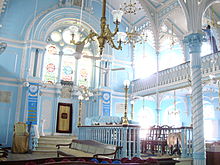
(111, 42)
(85, 40)
(116, 30)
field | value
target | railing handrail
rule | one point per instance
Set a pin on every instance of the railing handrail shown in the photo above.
(126, 136)
(117, 125)
(176, 77)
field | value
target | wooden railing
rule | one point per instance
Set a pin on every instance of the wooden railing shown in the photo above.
(156, 141)
(125, 136)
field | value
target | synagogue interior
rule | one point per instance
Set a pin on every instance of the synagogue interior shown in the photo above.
(110, 82)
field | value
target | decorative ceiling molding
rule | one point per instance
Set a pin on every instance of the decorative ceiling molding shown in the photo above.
(165, 11)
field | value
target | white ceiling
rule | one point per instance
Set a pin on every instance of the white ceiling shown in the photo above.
(174, 17)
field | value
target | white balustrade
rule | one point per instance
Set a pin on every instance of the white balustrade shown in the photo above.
(125, 136)
(178, 75)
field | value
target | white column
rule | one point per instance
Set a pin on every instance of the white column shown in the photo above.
(194, 42)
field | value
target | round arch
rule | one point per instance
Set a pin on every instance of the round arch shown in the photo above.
(43, 24)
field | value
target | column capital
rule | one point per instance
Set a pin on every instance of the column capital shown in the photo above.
(194, 42)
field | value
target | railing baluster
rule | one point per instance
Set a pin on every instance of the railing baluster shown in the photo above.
(125, 136)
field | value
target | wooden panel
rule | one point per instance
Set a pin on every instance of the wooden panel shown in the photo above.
(64, 118)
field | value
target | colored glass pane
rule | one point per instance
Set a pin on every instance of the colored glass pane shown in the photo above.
(84, 72)
(68, 68)
(52, 49)
(50, 71)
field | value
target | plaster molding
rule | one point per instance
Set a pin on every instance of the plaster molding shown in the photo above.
(15, 46)
(8, 79)
(8, 84)
(47, 19)
(118, 97)
(22, 44)
(167, 10)
(12, 40)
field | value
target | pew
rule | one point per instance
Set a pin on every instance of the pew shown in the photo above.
(87, 148)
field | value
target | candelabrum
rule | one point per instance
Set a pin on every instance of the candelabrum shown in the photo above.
(126, 87)
(80, 109)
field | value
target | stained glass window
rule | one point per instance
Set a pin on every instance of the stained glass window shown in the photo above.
(51, 65)
(60, 63)
(68, 68)
(84, 71)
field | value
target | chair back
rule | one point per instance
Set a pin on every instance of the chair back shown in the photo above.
(20, 129)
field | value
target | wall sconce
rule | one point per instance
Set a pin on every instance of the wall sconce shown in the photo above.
(80, 97)
(126, 87)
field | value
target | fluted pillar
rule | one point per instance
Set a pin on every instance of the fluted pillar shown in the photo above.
(194, 42)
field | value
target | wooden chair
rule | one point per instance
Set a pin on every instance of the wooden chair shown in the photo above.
(20, 138)
(156, 140)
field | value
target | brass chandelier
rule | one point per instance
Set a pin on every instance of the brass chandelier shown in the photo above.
(105, 35)
(132, 36)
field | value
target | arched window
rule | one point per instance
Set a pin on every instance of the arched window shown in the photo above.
(64, 62)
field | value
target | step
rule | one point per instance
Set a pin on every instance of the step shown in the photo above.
(54, 141)
(59, 137)
(46, 148)
(44, 151)
(49, 145)
(46, 145)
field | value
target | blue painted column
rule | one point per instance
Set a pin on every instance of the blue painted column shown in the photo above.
(194, 42)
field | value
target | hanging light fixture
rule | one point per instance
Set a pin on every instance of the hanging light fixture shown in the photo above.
(132, 36)
(106, 35)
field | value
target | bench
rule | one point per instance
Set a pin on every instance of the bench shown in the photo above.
(87, 148)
